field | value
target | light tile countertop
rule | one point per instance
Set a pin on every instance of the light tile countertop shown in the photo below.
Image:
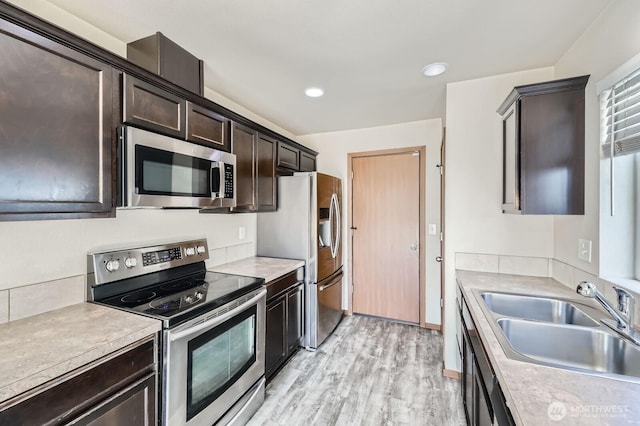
(269, 268)
(43, 347)
(530, 389)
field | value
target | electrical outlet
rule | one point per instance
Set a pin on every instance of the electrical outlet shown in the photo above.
(584, 250)
(242, 233)
(432, 229)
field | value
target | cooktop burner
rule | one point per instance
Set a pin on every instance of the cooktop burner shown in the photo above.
(184, 298)
(137, 298)
(178, 285)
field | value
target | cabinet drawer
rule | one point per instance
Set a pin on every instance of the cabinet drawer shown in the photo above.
(150, 107)
(288, 156)
(276, 287)
(307, 162)
(80, 391)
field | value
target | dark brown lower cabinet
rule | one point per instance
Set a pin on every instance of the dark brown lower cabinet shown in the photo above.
(120, 389)
(285, 321)
(482, 398)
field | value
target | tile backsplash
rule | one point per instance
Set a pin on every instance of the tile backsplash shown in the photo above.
(4, 306)
(517, 265)
(564, 273)
(35, 299)
(25, 301)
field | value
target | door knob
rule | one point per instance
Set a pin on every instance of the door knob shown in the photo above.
(439, 259)
(414, 247)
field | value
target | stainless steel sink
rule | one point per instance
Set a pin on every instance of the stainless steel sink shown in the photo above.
(537, 308)
(572, 347)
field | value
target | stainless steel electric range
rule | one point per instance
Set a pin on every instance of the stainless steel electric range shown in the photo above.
(213, 337)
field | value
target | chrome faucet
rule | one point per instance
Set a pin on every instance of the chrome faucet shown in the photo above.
(623, 315)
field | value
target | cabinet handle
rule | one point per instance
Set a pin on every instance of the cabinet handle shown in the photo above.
(439, 259)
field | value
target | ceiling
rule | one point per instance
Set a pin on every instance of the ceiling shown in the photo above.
(367, 55)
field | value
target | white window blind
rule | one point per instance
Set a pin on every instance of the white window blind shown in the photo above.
(620, 115)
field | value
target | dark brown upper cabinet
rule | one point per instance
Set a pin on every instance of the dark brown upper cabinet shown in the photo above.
(56, 129)
(288, 156)
(266, 174)
(244, 147)
(205, 127)
(543, 148)
(153, 108)
(256, 183)
(307, 162)
(162, 56)
(291, 159)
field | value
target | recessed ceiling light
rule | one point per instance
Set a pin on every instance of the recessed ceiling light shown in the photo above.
(434, 69)
(313, 92)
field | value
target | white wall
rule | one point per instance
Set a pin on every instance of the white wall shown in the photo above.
(474, 222)
(335, 146)
(608, 43)
(51, 255)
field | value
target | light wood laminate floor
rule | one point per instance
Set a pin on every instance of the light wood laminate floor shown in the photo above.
(369, 372)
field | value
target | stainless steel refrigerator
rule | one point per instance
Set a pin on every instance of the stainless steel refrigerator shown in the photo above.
(307, 225)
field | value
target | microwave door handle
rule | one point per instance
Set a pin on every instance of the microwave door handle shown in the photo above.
(217, 178)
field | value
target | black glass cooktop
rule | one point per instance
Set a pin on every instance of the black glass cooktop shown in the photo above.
(184, 298)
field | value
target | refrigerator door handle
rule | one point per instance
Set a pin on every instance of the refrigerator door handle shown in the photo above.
(333, 217)
(338, 223)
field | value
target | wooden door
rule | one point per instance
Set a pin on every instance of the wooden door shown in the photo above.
(386, 252)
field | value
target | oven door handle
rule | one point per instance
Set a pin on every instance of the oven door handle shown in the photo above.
(216, 320)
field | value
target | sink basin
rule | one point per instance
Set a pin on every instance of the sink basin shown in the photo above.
(572, 347)
(537, 308)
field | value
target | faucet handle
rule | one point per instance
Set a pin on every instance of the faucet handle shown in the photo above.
(626, 303)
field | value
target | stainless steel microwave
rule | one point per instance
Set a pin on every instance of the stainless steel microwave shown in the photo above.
(160, 171)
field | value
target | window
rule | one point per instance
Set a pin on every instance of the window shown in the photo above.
(620, 106)
(620, 171)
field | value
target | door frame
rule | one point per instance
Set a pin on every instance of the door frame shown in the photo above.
(422, 151)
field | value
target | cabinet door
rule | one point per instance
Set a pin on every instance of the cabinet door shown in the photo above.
(482, 412)
(295, 318)
(56, 130)
(153, 108)
(468, 382)
(244, 145)
(276, 345)
(288, 156)
(205, 127)
(266, 174)
(511, 163)
(307, 162)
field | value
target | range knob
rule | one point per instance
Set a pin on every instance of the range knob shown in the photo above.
(131, 262)
(112, 265)
(190, 251)
(200, 249)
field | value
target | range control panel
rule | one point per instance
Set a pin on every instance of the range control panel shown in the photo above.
(114, 265)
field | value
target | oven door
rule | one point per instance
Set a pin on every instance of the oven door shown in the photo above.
(159, 171)
(212, 361)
